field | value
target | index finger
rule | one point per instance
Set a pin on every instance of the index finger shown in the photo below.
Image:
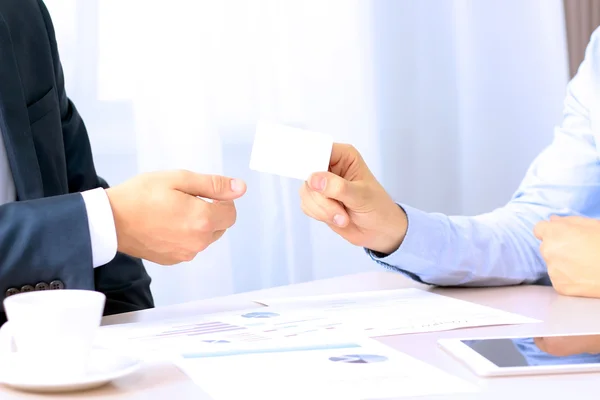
(218, 216)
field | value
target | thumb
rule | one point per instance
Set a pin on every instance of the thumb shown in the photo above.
(337, 188)
(213, 187)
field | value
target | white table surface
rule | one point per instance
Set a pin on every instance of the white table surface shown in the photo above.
(559, 315)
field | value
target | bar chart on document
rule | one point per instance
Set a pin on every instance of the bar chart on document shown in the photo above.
(233, 328)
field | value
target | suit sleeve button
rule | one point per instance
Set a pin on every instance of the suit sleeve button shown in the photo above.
(56, 284)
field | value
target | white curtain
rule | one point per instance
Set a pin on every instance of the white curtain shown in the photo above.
(448, 101)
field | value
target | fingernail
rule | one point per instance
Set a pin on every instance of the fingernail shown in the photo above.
(339, 220)
(317, 183)
(237, 185)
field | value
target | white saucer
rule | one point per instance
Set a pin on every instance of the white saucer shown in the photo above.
(104, 366)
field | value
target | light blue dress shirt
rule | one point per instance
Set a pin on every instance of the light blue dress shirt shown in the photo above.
(499, 248)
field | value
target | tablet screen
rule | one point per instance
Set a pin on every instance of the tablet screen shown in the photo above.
(550, 350)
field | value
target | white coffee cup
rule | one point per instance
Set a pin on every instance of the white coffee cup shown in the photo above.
(51, 333)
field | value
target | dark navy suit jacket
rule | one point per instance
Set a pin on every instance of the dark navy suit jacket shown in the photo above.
(44, 235)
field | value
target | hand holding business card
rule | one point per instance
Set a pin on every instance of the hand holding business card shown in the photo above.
(351, 200)
(290, 152)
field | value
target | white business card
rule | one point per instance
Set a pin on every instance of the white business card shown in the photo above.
(290, 152)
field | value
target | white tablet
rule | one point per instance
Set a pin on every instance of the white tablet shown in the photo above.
(502, 356)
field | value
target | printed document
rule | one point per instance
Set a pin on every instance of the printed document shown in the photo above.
(394, 312)
(299, 369)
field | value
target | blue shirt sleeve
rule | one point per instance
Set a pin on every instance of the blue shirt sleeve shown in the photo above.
(499, 248)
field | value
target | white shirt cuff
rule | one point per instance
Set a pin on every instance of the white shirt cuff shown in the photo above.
(102, 226)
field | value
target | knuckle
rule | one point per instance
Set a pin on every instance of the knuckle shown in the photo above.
(326, 206)
(200, 220)
(336, 187)
(204, 224)
(182, 174)
(315, 199)
(171, 178)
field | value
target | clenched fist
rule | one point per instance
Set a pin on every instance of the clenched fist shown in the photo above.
(351, 201)
(571, 248)
(159, 217)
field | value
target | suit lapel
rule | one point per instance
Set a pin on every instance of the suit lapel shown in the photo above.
(14, 123)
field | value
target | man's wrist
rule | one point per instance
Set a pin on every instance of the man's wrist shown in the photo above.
(393, 232)
(114, 194)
